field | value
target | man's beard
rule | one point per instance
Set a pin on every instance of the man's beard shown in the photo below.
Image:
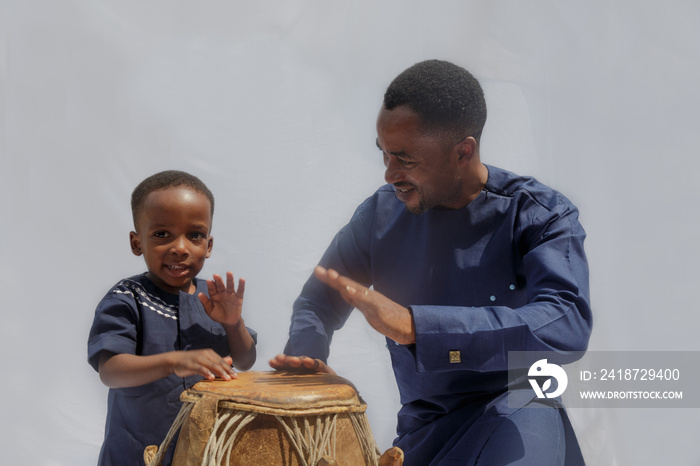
(422, 208)
(424, 205)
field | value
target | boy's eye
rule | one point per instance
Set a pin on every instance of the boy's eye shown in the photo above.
(197, 235)
(161, 234)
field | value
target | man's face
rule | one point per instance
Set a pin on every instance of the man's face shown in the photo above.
(422, 167)
(173, 236)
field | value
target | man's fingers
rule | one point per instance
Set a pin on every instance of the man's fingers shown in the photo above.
(309, 363)
(282, 362)
(349, 289)
(329, 276)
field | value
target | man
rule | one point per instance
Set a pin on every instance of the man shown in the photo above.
(456, 263)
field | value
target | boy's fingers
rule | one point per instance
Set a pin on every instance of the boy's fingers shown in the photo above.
(229, 282)
(219, 283)
(221, 368)
(205, 301)
(211, 286)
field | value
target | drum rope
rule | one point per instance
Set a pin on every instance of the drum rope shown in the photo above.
(364, 434)
(221, 444)
(294, 437)
(311, 444)
(229, 444)
(184, 413)
(312, 440)
(216, 440)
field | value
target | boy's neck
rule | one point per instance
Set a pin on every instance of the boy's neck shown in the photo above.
(191, 287)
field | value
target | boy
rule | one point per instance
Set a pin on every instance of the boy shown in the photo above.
(156, 334)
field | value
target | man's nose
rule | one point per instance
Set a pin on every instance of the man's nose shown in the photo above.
(393, 171)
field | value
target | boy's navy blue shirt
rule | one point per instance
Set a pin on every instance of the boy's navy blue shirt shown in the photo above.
(137, 317)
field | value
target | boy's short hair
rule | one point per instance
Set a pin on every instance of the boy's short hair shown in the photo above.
(445, 96)
(164, 180)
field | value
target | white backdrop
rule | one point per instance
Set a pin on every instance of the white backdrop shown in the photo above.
(273, 105)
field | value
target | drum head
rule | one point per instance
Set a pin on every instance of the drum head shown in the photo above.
(282, 389)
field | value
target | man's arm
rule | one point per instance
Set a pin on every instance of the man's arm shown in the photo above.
(384, 315)
(557, 316)
(320, 310)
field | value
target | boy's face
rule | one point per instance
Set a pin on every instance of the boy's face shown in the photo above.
(173, 236)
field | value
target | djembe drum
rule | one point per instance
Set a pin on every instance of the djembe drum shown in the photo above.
(271, 418)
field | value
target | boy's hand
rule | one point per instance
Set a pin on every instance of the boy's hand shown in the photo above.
(204, 362)
(225, 303)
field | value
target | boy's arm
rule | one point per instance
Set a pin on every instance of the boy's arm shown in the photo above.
(225, 305)
(129, 370)
(241, 345)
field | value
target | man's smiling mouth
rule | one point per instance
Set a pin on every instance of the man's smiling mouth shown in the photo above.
(403, 188)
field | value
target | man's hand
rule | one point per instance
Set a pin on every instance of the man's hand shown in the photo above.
(224, 304)
(282, 362)
(384, 315)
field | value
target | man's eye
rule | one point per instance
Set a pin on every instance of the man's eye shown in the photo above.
(407, 163)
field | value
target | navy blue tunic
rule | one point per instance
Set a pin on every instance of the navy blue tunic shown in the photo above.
(507, 272)
(136, 317)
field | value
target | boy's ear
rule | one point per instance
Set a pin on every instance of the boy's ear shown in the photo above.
(210, 244)
(135, 242)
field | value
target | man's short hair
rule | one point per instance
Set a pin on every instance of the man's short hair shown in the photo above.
(165, 180)
(445, 96)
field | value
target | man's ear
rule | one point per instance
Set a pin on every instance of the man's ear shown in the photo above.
(135, 242)
(210, 244)
(467, 149)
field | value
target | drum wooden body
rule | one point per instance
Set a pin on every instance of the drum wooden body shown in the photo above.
(275, 418)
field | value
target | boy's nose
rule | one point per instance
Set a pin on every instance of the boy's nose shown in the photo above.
(179, 246)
